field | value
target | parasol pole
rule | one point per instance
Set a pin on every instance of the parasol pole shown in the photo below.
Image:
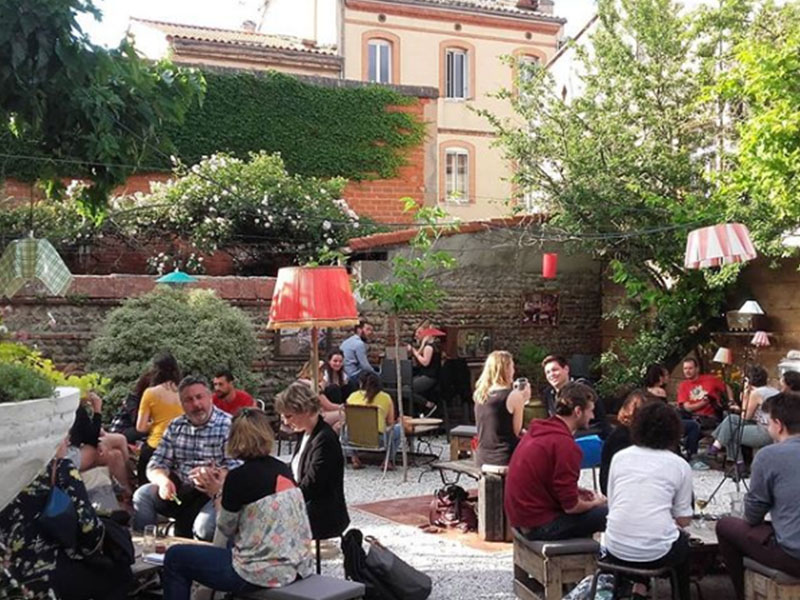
(315, 359)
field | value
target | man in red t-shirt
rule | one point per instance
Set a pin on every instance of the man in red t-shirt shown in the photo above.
(701, 395)
(227, 397)
(542, 497)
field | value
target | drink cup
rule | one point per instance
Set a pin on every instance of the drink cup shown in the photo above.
(520, 383)
(149, 539)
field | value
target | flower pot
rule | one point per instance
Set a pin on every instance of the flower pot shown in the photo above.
(30, 432)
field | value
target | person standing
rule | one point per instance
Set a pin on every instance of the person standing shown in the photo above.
(498, 410)
(774, 489)
(317, 463)
(188, 467)
(650, 498)
(354, 350)
(556, 372)
(542, 497)
(226, 396)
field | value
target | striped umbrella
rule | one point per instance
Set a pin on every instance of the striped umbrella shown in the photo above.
(718, 245)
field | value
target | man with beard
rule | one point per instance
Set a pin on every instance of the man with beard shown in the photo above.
(556, 371)
(542, 497)
(354, 350)
(188, 467)
(226, 396)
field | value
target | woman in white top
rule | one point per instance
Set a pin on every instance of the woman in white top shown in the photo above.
(650, 498)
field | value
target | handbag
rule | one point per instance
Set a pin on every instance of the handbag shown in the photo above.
(355, 568)
(405, 581)
(451, 507)
(59, 519)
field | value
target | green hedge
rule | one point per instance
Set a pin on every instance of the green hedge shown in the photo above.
(319, 131)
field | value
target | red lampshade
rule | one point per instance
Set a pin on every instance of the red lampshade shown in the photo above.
(312, 297)
(549, 265)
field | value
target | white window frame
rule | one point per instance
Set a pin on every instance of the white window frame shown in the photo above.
(452, 182)
(450, 69)
(380, 47)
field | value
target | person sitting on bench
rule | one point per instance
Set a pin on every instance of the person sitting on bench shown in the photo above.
(542, 497)
(649, 498)
(774, 489)
(263, 513)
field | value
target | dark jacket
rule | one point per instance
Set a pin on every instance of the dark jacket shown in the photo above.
(619, 439)
(322, 482)
(542, 480)
(598, 426)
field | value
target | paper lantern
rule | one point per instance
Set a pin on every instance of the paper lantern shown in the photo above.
(549, 265)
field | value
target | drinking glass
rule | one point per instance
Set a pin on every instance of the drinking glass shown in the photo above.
(149, 539)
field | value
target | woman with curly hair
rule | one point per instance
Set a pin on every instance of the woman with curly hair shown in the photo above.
(650, 499)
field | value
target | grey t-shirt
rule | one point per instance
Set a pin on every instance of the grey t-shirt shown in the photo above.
(774, 489)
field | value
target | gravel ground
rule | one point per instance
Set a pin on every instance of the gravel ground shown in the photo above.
(460, 572)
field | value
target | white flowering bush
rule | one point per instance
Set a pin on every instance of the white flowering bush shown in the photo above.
(253, 209)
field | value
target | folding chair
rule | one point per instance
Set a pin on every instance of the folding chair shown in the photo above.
(362, 431)
(592, 447)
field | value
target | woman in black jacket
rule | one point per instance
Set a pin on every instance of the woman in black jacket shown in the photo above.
(318, 463)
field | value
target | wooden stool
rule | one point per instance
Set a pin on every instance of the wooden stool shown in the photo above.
(461, 439)
(766, 583)
(492, 523)
(315, 587)
(550, 565)
(606, 566)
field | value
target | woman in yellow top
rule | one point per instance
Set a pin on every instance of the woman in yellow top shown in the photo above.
(160, 404)
(369, 394)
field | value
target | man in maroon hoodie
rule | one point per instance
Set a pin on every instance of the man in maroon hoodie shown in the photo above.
(542, 497)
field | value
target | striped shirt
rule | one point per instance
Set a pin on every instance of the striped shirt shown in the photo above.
(184, 446)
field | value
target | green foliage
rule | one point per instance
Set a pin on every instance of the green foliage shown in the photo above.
(202, 331)
(319, 131)
(633, 163)
(411, 288)
(763, 186)
(78, 109)
(529, 360)
(20, 382)
(252, 209)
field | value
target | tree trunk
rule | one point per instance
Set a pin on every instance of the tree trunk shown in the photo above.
(400, 395)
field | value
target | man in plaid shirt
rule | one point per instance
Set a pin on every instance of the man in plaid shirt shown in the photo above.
(188, 468)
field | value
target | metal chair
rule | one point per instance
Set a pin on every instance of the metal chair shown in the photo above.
(592, 447)
(361, 431)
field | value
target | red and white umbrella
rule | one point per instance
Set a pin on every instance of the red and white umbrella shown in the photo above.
(718, 245)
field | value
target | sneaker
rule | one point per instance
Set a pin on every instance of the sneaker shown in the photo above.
(712, 451)
(699, 465)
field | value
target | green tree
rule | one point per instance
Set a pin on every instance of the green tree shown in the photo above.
(201, 330)
(98, 111)
(411, 287)
(631, 164)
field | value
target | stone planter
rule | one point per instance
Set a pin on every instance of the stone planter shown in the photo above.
(30, 432)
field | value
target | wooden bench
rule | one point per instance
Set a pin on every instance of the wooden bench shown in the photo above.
(543, 568)
(765, 583)
(315, 587)
(492, 522)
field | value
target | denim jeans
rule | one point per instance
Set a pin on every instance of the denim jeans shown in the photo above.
(210, 566)
(194, 516)
(571, 526)
(691, 429)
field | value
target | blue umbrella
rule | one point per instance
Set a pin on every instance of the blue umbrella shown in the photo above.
(176, 277)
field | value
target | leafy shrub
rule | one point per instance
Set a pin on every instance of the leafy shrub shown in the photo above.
(20, 382)
(202, 331)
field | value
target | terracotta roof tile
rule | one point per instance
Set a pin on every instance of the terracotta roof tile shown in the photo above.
(235, 37)
(403, 236)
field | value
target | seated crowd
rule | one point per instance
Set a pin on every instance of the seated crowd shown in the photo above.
(206, 466)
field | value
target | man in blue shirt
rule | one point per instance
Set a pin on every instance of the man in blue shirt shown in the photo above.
(774, 489)
(354, 350)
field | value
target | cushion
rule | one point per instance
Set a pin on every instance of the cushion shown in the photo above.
(774, 574)
(558, 547)
(464, 431)
(315, 587)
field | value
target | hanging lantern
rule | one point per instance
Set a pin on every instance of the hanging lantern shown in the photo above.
(718, 245)
(33, 259)
(549, 265)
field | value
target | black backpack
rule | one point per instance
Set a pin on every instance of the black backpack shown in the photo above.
(355, 568)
